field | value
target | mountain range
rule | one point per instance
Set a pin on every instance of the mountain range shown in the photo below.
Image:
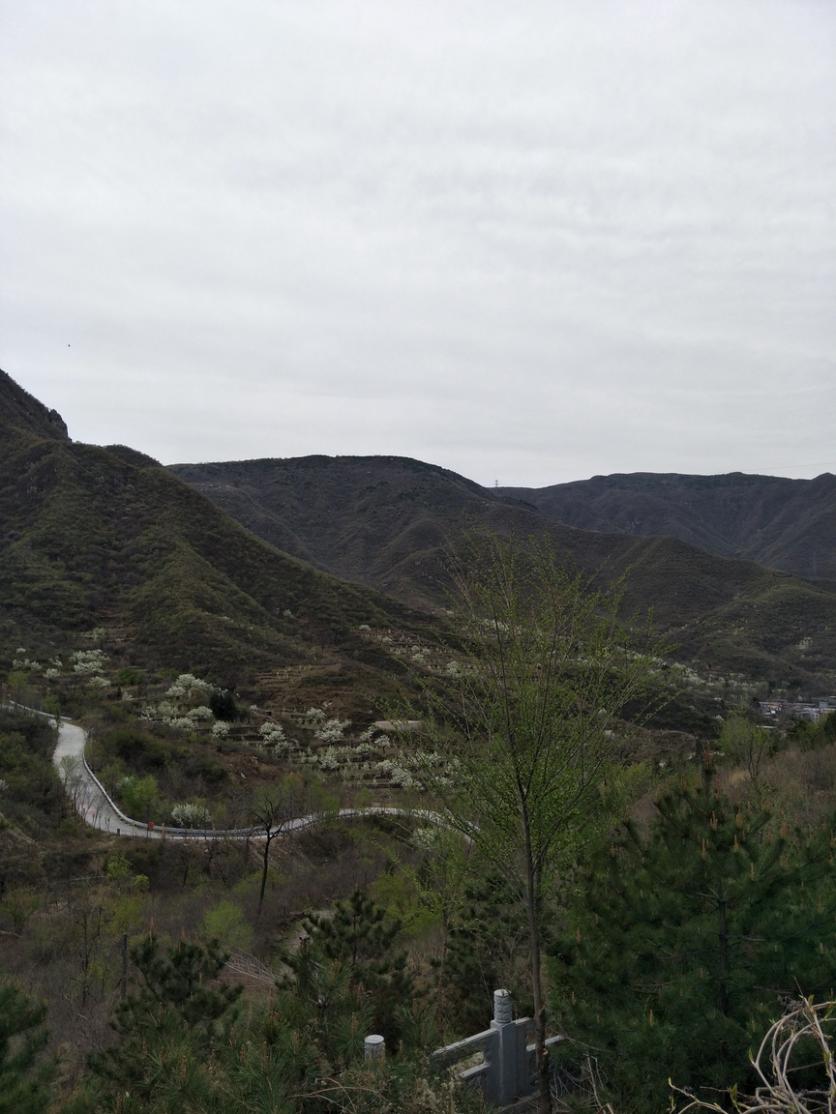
(244, 567)
(387, 522)
(784, 524)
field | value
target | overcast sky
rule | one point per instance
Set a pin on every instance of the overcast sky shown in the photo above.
(528, 241)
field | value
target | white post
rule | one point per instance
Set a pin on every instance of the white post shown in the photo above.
(503, 1007)
(374, 1048)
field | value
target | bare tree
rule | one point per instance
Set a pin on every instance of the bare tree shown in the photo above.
(747, 743)
(274, 813)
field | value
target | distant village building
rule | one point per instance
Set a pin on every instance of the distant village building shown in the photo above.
(811, 710)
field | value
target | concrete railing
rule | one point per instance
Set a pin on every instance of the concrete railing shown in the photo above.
(508, 1069)
(168, 829)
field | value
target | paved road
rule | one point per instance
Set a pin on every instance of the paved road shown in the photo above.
(98, 810)
(91, 801)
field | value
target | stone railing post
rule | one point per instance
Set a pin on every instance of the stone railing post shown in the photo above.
(507, 1073)
(506, 1051)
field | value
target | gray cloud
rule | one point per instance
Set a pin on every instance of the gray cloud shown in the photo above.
(532, 242)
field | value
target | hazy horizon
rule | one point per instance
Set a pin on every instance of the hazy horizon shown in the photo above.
(359, 455)
(529, 245)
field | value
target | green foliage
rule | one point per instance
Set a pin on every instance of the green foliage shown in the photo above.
(747, 744)
(811, 736)
(52, 705)
(176, 1016)
(682, 943)
(139, 749)
(130, 675)
(226, 923)
(404, 1087)
(31, 797)
(485, 950)
(125, 757)
(356, 949)
(184, 1047)
(139, 796)
(223, 705)
(396, 892)
(793, 1065)
(23, 1077)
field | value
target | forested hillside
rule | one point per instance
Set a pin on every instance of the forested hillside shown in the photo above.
(784, 524)
(105, 537)
(388, 522)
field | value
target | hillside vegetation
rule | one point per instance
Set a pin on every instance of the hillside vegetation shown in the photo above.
(106, 537)
(388, 521)
(215, 974)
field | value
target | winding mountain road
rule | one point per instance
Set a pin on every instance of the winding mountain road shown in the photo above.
(97, 808)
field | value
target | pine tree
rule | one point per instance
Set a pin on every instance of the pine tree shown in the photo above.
(168, 1028)
(684, 944)
(359, 945)
(486, 943)
(23, 1080)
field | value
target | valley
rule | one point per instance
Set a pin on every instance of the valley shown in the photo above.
(293, 702)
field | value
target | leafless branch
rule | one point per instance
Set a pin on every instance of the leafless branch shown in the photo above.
(801, 1040)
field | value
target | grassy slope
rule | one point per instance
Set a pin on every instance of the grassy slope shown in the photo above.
(386, 522)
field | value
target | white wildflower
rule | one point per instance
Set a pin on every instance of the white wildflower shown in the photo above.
(329, 759)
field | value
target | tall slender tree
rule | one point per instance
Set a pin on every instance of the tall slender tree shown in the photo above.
(527, 726)
(272, 814)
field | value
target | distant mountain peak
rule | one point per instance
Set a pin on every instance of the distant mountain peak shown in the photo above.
(785, 524)
(20, 412)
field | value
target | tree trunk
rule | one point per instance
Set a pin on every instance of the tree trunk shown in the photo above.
(723, 937)
(544, 1102)
(265, 865)
(123, 980)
